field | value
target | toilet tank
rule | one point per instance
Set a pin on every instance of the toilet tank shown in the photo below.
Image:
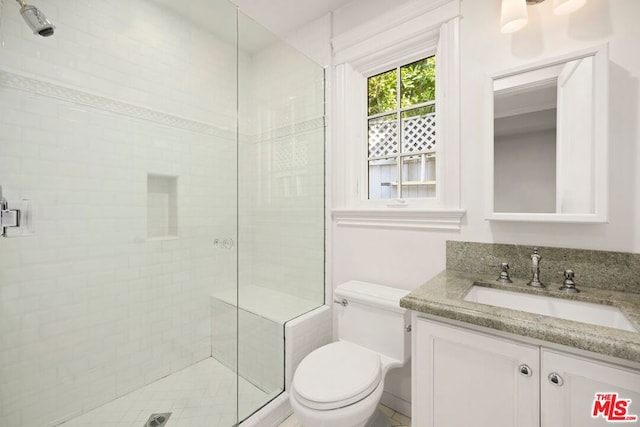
(373, 318)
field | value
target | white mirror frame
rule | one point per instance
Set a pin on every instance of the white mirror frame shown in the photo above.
(600, 133)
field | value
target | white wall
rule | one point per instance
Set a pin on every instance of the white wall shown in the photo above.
(407, 259)
(484, 51)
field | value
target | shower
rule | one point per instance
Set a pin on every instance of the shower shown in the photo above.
(36, 20)
(175, 171)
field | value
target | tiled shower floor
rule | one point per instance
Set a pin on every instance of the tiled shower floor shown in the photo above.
(202, 395)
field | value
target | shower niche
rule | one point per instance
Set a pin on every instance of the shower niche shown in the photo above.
(162, 206)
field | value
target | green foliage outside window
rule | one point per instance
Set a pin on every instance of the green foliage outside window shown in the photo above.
(417, 85)
(382, 92)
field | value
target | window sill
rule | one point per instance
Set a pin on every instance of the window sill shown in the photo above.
(400, 218)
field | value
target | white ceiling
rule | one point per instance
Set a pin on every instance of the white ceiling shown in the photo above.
(284, 16)
(280, 17)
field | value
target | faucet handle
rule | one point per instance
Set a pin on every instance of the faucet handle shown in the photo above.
(568, 274)
(504, 273)
(569, 286)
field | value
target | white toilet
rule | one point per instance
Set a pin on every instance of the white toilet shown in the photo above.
(340, 384)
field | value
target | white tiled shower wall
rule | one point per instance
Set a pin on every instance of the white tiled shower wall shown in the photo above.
(133, 51)
(89, 308)
(281, 195)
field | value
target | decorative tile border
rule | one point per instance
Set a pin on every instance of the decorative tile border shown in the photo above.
(56, 91)
(298, 128)
(288, 131)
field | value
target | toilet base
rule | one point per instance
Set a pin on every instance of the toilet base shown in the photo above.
(359, 414)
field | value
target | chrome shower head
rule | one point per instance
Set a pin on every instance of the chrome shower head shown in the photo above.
(36, 20)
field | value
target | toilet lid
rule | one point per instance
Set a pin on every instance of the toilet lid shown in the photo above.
(336, 375)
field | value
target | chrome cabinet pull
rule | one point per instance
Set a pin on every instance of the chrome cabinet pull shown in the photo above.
(525, 370)
(555, 379)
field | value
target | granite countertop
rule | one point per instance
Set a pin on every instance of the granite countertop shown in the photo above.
(443, 296)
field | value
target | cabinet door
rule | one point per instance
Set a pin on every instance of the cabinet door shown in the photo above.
(569, 400)
(467, 378)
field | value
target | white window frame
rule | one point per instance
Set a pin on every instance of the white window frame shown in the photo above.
(413, 31)
(400, 141)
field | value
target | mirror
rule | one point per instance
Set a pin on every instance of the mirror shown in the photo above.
(548, 149)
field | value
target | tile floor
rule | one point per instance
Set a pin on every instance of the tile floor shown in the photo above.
(202, 395)
(396, 419)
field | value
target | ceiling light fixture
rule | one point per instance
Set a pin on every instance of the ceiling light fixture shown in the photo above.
(513, 13)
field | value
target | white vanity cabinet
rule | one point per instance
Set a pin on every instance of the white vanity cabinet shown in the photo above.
(463, 377)
(466, 378)
(567, 400)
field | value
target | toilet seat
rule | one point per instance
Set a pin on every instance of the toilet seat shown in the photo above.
(336, 375)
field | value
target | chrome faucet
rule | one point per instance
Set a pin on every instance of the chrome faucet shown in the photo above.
(535, 269)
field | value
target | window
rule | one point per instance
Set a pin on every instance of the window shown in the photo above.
(385, 154)
(401, 123)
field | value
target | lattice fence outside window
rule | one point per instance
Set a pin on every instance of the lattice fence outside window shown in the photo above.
(418, 135)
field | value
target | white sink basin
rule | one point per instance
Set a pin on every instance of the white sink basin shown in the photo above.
(586, 312)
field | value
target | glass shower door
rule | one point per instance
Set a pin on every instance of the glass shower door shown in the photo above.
(281, 216)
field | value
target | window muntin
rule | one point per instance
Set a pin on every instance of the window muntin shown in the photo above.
(401, 131)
